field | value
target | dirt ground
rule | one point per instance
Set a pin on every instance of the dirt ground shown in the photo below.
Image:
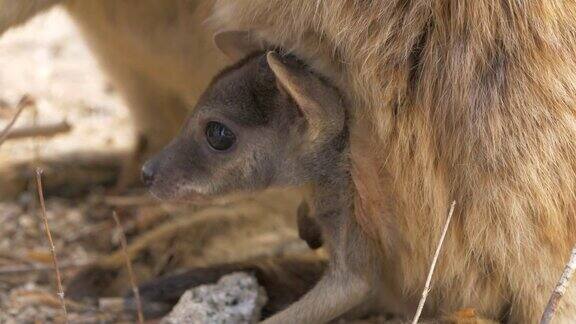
(47, 60)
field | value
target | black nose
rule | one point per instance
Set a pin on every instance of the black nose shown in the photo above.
(148, 173)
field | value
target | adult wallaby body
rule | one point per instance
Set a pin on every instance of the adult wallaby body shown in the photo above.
(473, 101)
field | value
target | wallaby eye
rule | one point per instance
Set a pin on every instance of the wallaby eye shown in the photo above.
(219, 136)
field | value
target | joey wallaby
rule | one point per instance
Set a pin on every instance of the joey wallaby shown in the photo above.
(268, 121)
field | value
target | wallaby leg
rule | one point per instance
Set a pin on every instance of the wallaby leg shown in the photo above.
(347, 282)
(156, 107)
(157, 114)
(16, 12)
(335, 294)
(160, 68)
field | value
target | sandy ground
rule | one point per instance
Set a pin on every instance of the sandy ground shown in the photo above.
(47, 59)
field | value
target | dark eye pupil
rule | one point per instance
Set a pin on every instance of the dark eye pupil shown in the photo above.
(219, 136)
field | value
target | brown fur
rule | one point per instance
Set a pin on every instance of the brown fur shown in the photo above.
(308, 228)
(454, 100)
(155, 54)
(14, 13)
(472, 101)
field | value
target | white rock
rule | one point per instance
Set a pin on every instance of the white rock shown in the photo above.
(235, 298)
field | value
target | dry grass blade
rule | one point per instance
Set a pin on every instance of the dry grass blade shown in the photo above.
(25, 101)
(433, 265)
(129, 267)
(560, 289)
(25, 268)
(51, 242)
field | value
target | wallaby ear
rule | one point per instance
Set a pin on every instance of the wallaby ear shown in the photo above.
(320, 104)
(236, 44)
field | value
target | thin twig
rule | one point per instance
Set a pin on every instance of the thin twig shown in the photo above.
(25, 268)
(24, 102)
(560, 289)
(52, 248)
(47, 130)
(129, 267)
(433, 265)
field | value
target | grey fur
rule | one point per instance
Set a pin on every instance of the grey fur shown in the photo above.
(291, 130)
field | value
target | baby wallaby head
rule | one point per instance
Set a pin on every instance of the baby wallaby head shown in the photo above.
(265, 121)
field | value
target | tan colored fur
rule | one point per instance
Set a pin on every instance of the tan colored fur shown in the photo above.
(472, 101)
(13, 13)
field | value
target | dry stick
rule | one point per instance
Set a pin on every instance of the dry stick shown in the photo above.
(129, 267)
(560, 289)
(24, 102)
(52, 248)
(47, 130)
(433, 265)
